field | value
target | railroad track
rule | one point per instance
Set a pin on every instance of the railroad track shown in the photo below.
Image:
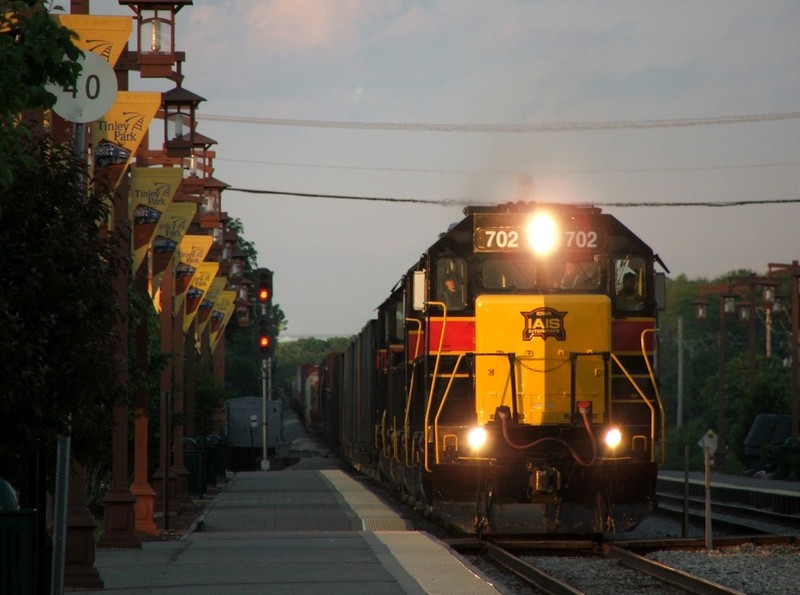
(733, 517)
(622, 571)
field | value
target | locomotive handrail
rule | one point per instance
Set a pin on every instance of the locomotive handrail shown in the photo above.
(395, 456)
(407, 418)
(655, 389)
(441, 405)
(646, 401)
(433, 383)
(381, 443)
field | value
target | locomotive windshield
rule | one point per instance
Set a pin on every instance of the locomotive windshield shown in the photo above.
(542, 276)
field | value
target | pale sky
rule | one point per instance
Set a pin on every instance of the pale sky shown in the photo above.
(640, 75)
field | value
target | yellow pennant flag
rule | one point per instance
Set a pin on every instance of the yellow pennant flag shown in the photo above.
(201, 283)
(191, 253)
(207, 305)
(169, 232)
(222, 312)
(102, 35)
(118, 134)
(150, 194)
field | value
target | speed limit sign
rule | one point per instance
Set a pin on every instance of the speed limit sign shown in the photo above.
(93, 94)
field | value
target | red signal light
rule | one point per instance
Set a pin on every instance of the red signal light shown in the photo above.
(263, 279)
(265, 344)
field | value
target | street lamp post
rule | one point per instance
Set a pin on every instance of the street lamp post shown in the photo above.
(792, 269)
(729, 292)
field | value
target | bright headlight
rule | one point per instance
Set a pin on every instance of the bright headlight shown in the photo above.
(613, 438)
(542, 234)
(477, 438)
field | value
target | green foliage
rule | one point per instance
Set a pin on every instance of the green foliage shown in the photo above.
(700, 345)
(769, 395)
(57, 344)
(34, 51)
(292, 354)
(242, 363)
(209, 398)
(247, 248)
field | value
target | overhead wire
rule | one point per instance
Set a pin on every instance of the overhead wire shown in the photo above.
(507, 128)
(516, 128)
(508, 172)
(463, 202)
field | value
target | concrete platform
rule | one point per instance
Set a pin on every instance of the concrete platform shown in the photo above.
(293, 531)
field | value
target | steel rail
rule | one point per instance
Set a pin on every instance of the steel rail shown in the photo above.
(529, 573)
(667, 574)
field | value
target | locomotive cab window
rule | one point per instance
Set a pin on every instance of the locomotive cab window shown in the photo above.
(629, 284)
(579, 274)
(508, 274)
(451, 274)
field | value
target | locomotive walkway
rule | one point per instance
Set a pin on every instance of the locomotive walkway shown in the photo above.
(292, 531)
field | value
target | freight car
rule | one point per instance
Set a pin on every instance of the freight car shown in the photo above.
(509, 380)
(244, 431)
(306, 395)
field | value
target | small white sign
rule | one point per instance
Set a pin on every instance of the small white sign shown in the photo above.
(708, 441)
(93, 95)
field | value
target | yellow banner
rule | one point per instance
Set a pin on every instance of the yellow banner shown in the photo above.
(118, 134)
(150, 194)
(169, 232)
(102, 35)
(207, 305)
(201, 283)
(192, 252)
(222, 312)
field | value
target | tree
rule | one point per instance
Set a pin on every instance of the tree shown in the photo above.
(700, 345)
(57, 343)
(292, 354)
(34, 51)
(57, 313)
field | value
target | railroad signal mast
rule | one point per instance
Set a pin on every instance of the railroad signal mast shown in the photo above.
(265, 326)
(265, 337)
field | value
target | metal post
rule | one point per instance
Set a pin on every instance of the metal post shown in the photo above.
(685, 525)
(795, 318)
(793, 270)
(166, 443)
(680, 373)
(709, 535)
(265, 395)
(719, 456)
(751, 336)
(60, 516)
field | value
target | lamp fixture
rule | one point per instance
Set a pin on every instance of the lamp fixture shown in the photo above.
(155, 34)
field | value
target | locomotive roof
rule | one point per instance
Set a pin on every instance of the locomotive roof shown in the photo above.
(524, 207)
(461, 231)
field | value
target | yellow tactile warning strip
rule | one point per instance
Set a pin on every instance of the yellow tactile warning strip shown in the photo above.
(435, 567)
(374, 514)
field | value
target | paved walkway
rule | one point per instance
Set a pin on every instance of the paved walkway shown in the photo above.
(292, 531)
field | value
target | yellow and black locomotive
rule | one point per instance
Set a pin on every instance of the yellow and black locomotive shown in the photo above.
(509, 380)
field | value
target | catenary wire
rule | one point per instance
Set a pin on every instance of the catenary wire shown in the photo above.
(514, 128)
(508, 128)
(462, 202)
(506, 172)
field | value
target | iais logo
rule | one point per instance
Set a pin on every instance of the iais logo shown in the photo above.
(544, 323)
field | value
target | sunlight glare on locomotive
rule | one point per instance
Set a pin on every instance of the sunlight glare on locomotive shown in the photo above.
(613, 438)
(477, 438)
(543, 234)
